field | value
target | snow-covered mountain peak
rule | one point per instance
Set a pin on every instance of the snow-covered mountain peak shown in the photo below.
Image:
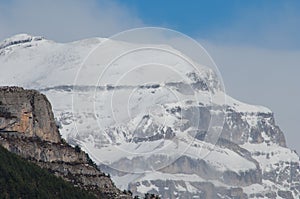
(144, 121)
(19, 39)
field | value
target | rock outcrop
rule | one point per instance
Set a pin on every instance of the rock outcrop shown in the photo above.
(27, 128)
(28, 113)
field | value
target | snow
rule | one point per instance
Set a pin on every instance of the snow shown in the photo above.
(255, 188)
(190, 188)
(275, 154)
(219, 158)
(251, 119)
(123, 181)
(18, 39)
(247, 108)
(264, 188)
(104, 122)
(144, 189)
(156, 175)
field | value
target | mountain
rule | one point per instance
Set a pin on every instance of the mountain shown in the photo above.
(176, 142)
(28, 129)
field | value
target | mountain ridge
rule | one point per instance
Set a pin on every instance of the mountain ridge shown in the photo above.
(250, 134)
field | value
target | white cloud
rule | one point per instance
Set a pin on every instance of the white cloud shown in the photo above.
(65, 20)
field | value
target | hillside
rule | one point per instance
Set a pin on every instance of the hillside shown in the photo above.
(22, 179)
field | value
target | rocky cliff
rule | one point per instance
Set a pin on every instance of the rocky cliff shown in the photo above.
(28, 113)
(27, 128)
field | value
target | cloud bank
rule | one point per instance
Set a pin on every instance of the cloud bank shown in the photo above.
(66, 20)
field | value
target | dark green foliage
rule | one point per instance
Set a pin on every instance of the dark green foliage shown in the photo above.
(22, 179)
(127, 192)
(151, 196)
(90, 161)
(77, 149)
(63, 141)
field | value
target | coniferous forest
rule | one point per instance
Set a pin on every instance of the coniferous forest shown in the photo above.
(22, 179)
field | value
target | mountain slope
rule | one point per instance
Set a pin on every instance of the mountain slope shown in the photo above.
(21, 179)
(166, 145)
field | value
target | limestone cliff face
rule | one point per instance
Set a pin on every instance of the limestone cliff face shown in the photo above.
(27, 112)
(27, 128)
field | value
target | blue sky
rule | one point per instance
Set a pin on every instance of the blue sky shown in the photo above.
(270, 24)
(256, 44)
